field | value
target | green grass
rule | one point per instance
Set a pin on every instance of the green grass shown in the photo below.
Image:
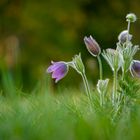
(67, 116)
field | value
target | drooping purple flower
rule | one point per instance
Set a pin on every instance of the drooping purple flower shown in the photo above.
(92, 46)
(135, 68)
(58, 70)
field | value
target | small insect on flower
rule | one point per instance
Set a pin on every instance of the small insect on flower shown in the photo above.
(123, 36)
(135, 68)
(58, 70)
(92, 46)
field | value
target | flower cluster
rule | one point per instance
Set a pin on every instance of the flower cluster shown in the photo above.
(120, 58)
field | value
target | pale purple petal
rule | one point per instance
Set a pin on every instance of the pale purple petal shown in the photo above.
(92, 46)
(135, 68)
(54, 66)
(60, 72)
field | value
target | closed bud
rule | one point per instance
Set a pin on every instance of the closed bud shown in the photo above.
(92, 46)
(102, 86)
(123, 36)
(131, 17)
(78, 64)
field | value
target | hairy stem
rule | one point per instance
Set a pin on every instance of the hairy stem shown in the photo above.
(114, 87)
(100, 67)
(128, 28)
(101, 101)
(86, 86)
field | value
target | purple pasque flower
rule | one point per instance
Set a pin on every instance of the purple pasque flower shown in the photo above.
(135, 68)
(123, 36)
(58, 70)
(92, 46)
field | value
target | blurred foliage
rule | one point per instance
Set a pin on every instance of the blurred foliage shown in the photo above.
(54, 30)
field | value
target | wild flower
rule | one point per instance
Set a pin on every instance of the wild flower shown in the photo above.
(135, 68)
(78, 65)
(58, 70)
(128, 51)
(92, 46)
(115, 61)
(95, 50)
(119, 58)
(123, 36)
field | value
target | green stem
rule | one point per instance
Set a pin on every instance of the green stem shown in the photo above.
(86, 86)
(122, 75)
(101, 99)
(114, 87)
(128, 28)
(100, 67)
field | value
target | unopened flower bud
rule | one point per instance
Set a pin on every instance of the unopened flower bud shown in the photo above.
(131, 17)
(78, 64)
(102, 86)
(123, 36)
(92, 46)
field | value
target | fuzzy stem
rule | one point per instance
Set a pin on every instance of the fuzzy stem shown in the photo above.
(100, 67)
(123, 73)
(128, 29)
(86, 86)
(115, 87)
(101, 101)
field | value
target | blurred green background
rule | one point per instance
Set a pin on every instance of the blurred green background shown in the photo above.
(32, 33)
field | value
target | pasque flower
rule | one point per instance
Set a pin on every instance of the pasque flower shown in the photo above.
(95, 50)
(123, 36)
(58, 70)
(92, 46)
(135, 68)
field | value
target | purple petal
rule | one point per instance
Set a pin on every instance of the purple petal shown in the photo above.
(92, 45)
(60, 72)
(135, 68)
(54, 66)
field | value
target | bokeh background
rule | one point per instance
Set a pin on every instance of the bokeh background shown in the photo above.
(32, 33)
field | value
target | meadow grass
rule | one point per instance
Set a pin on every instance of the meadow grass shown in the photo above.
(68, 116)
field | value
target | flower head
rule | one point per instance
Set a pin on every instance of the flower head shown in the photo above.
(135, 68)
(123, 36)
(131, 17)
(58, 70)
(92, 46)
